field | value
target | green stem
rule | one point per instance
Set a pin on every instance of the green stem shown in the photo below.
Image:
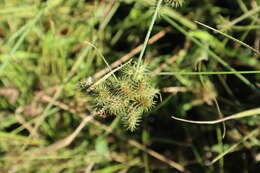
(230, 37)
(205, 73)
(158, 5)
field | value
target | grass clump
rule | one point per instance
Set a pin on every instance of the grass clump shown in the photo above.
(205, 75)
(129, 95)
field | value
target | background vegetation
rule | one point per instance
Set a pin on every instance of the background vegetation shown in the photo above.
(48, 124)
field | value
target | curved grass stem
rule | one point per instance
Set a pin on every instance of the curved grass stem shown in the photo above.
(243, 114)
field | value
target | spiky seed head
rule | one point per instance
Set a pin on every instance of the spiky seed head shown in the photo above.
(125, 89)
(117, 106)
(103, 94)
(133, 118)
(144, 102)
(173, 3)
(140, 86)
(128, 96)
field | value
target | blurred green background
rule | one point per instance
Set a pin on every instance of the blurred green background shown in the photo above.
(46, 120)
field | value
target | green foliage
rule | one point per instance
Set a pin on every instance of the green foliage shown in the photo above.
(129, 95)
(47, 46)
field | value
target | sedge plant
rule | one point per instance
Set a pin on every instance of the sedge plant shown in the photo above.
(131, 93)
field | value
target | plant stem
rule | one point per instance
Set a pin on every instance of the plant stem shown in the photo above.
(158, 5)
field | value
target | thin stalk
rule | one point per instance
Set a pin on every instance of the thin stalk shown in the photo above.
(244, 16)
(230, 37)
(230, 149)
(205, 73)
(158, 5)
(102, 56)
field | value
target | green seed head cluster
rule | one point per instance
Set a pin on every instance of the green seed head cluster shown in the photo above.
(129, 95)
(173, 3)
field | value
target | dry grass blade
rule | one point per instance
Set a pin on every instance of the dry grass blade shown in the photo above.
(174, 90)
(253, 133)
(243, 114)
(27, 125)
(67, 141)
(134, 143)
(106, 76)
(135, 51)
(157, 155)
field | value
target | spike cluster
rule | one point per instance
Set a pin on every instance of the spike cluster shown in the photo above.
(173, 3)
(128, 96)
